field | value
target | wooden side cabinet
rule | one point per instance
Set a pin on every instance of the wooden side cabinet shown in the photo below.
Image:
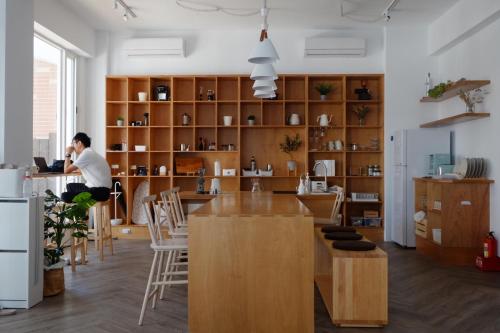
(457, 218)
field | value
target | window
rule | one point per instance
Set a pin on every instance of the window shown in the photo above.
(54, 106)
(54, 101)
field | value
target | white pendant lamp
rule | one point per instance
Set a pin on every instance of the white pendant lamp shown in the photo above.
(264, 53)
(264, 94)
(264, 72)
(264, 85)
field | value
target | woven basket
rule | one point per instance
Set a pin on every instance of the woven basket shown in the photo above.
(53, 282)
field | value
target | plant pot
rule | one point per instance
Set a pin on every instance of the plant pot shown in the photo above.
(53, 282)
(251, 122)
(119, 123)
(322, 97)
(291, 165)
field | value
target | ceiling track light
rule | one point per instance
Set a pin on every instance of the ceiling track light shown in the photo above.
(387, 12)
(126, 8)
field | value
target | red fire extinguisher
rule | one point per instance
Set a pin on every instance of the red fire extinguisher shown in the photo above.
(490, 246)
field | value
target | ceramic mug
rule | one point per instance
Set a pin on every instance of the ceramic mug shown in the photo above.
(228, 120)
(338, 145)
(331, 145)
(142, 95)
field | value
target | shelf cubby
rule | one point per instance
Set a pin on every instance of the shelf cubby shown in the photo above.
(136, 112)
(372, 118)
(273, 114)
(183, 89)
(209, 135)
(115, 110)
(159, 114)
(136, 85)
(373, 83)
(227, 109)
(227, 136)
(246, 91)
(227, 88)
(295, 88)
(335, 110)
(183, 135)
(159, 81)
(202, 85)
(160, 139)
(116, 135)
(180, 109)
(295, 107)
(138, 136)
(116, 89)
(205, 114)
(337, 82)
(247, 109)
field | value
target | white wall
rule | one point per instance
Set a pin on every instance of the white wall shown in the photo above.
(16, 77)
(477, 58)
(219, 52)
(406, 66)
(64, 27)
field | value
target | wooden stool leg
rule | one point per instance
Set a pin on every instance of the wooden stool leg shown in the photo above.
(73, 254)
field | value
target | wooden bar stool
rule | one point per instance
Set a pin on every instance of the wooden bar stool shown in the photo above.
(78, 244)
(102, 227)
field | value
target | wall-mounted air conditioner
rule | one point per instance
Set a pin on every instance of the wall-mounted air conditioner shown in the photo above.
(344, 47)
(158, 47)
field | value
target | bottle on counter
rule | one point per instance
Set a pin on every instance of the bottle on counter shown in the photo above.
(253, 164)
(307, 184)
(27, 184)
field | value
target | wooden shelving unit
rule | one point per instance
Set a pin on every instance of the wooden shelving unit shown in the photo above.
(234, 97)
(462, 216)
(460, 118)
(454, 90)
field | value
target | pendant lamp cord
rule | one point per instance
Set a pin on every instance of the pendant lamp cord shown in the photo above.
(263, 12)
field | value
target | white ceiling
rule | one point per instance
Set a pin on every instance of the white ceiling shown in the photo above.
(289, 14)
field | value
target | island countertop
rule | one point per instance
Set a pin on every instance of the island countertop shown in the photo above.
(256, 203)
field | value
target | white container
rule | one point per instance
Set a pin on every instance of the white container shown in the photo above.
(142, 96)
(12, 183)
(228, 120)
(217, 168)
(436, 235)
(140, 148)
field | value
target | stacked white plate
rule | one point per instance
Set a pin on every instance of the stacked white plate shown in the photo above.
(471, 168)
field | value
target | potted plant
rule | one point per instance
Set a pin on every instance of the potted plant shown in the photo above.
(290, 145)
(58, 218)
(120, 121)
(361, 112)
(251, 120)
(324, 89)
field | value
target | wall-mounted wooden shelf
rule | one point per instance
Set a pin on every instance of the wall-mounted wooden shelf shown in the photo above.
(460, 118)
(454, 90)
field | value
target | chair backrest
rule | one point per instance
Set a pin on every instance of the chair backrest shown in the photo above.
(147, 203)
(339, 198)
(168, 207)
(160, 220)
(178, 205)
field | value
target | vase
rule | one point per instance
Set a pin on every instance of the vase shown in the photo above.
(470, 108)
(322, 97)
(292, 165)
(361, 121)
(53, 282)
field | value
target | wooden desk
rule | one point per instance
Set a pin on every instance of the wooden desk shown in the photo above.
(251, 265)
(42, 175)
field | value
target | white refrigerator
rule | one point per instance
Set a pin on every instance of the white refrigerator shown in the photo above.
(410, 150)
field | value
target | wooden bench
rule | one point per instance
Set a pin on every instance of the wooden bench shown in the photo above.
(353, 284)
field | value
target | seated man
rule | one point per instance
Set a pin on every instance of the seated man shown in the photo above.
(94, 168)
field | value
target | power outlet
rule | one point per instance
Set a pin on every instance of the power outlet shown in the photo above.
(126, 231)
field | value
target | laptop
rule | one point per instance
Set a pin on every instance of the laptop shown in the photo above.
(42, 165)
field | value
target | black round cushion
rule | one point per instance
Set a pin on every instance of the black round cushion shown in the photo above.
(343, 236)
(350, 245)
(337, 228)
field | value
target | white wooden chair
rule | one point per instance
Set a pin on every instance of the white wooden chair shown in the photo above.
(162, 248)
(176, 198)
(335, 216)
(176, 226)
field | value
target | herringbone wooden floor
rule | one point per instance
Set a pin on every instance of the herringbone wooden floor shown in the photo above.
(106, 297)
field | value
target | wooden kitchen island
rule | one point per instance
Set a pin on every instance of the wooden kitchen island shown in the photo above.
(251, 265)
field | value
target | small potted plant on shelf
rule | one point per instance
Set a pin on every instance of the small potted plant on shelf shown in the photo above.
(120, 121)
(290, 145)
(324, 89)
(60, 217)
(251, 120)
(361, 112)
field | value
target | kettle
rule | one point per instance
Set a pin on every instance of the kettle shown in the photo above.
(324, 120)
(294, 119)
(215, 186)
(186, 119)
